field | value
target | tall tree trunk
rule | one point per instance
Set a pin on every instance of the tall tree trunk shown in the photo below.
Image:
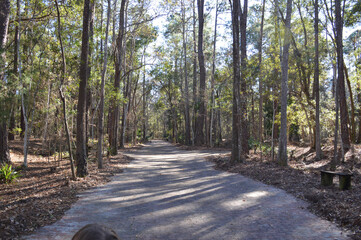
(115, 108)
(45, 135)
(186, 88)
(211, 120)
(219, 127)
(62, 97)
(317, 87)
(260, 107)
(244, 131)
(335, 159)
(23, 109)
(89, 93)
(195, 101)
(236, 157)
(345, 135)
(144, 102)
(199, 138)
(81, 156)
(353, 123)
(282, 149)
(15, 72)
(4, 23)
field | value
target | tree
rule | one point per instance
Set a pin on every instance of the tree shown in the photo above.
(62, 97)
(244, 131)
(102, 91)
(236, 83)
(4, 23)
(199, 138)
(186, 115)
(345, 135)
(115, 107)
(211, 119)
(260, 108)
(81, 153)
(282, 146)
(317, 85)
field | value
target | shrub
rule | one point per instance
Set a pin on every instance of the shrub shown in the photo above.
(8, 174)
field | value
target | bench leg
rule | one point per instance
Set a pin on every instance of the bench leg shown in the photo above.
(345, 182)
(326, 179)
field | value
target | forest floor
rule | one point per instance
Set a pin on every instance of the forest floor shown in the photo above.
(44, 191)
(302, 179)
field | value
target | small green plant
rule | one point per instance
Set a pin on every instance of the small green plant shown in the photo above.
(8, 174)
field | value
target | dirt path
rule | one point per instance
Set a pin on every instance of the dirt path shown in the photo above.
(167, 193)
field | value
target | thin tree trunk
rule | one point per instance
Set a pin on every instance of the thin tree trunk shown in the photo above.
(15, 72)
(144, 102)
(236, 157)
(260, 86)
(115, 108)
(186, 88)
(199, 139)
(89, 93)
(274, 107)
(282, 150)
(4, 23)
(335, 160)
(22, 93)
(353, 123)
(45, 135)
(317, 87)
(195, 101)
(244, 130)
(212, 78)
(102, 91)
(81, 156)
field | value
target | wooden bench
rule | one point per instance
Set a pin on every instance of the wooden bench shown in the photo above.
(344, 179)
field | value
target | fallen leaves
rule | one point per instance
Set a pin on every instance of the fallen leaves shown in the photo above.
(40, 196)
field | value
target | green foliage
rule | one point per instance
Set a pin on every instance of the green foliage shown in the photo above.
(8, 174)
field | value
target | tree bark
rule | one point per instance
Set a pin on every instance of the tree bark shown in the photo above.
(244, 130)
(195, 101)
(144, 138)
(345, 135)
(4, 23)
(236, 157)
(211, 120)
(115, 108)
(317, 86)
(62, 97)
(199, 138)
(81, 156)
(352, 120)
(282, 149)
(260, 86)
(186, 88)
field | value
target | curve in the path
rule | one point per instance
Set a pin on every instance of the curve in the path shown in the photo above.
(167, 193)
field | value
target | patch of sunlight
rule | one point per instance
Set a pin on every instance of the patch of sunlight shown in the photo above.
(256, 194)
(245, 200)
(179, 210)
